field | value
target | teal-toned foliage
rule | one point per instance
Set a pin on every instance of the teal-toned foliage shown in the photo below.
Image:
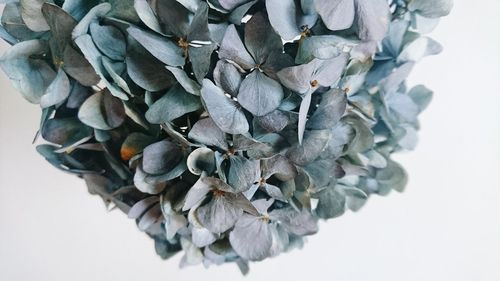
(226, 128)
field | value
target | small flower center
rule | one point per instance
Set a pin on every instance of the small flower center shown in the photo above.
(305, 31)
(262, 181)
(218, 193)
(314, 83)
(58, 62)
(265, 219)
(184, 45)
(231, 151)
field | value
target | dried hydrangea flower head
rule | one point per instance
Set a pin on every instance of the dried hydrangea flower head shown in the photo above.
(225, 128)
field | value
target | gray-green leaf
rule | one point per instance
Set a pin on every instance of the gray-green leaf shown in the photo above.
(174, 104)
(102, 111)
(224, 111)
(260, 94)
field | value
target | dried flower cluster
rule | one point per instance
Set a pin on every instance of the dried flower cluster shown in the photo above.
(225, 128)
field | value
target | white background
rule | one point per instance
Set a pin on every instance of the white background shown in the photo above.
(446, 226)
